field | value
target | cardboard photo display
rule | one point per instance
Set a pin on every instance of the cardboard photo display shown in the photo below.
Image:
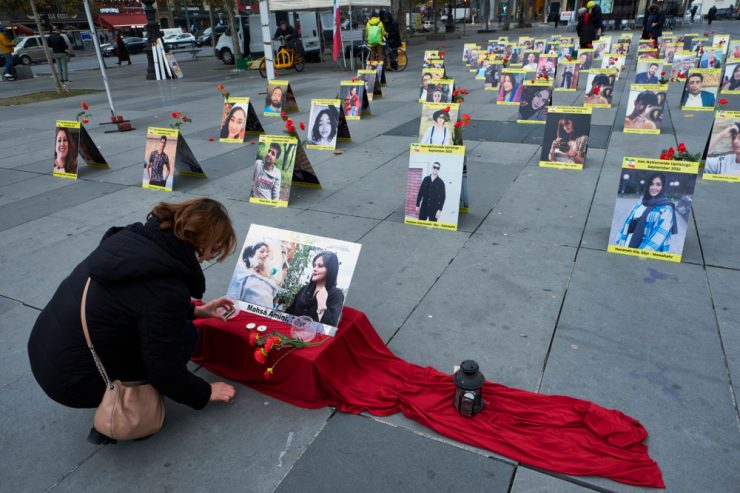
(700, 89)
(585, 59)
(530, 59)
(472, 55)
(354, 99)
(434, 186)
(166, 152)
(467, 48)
(326, 125)
(372, 84)
(436, 124)
(281, 162)
(683, 63)
(440, 91)
(536, 97)
(723, 163)
(566, 78)
(278, 272)
(379, 67)
(429, 54)
(279, 98)
(428, 76)
(238, 118)
(653, 208)
(599, 88)
(731, 77)
(645, 108)
(614, 61)
(493, 75)
(510, 87)
(71, 141)
(547, 66)
(648, 72)
(711, 58)
(565, 142)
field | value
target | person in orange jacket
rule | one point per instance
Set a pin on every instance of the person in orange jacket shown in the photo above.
(6, 49)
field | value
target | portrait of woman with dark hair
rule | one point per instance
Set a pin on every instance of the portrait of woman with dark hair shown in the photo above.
(320, 299)
(257, 286)
(510, 90)
(235, 124)
(324, 127)
(535, 100)
(652, 220)
(65, 150)
(439, 132)
(569, 146)
(731, 81)
(600, 85)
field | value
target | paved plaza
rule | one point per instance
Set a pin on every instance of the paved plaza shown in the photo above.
(525, 287)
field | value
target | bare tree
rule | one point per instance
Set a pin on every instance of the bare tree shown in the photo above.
(61, 89)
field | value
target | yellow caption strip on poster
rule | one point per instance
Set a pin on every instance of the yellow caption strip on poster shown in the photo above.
(62, 174)
(278, 139)
(68, 124)
(636, 252)
(557, 165)
(159, 132)
(156, 187)
(688, 167)
(652, 88)
(261, 201)
(433, 224)
(436, 149)
(238, 99)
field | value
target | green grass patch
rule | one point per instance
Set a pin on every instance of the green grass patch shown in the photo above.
(36, 97)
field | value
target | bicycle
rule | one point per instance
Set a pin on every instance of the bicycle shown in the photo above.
(401, 58)
(284, 58)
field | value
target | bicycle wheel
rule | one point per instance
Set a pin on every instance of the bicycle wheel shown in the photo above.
(299, 63)
(263, 68)
(401, 59)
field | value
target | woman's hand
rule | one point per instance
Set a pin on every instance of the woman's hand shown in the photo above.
(217, 308)
(222, 392)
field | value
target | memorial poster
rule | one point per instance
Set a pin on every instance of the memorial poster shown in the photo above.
(645, 108)
(565, 143)
(238, 118)
(723, 151)
(536, 97)
(354, 98)
(731, 77)
(324, 124)
(437, 123)
(600, 88)
(159, 158)
(279, 275)
(700, 89)
(653, 207)
(510, 87)
(566, 77)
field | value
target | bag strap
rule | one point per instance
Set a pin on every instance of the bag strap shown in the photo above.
(83, 318)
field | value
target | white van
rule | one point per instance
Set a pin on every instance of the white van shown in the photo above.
(305, 23)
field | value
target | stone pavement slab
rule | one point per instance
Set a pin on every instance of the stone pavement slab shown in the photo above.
(531, 481)
(641, 337)
(389, 459)
(723, 284)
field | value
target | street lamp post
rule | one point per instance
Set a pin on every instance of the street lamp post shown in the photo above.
(152, 29)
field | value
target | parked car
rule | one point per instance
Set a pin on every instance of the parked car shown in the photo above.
(182, 40)
(133, 45)
(29, 50)
(206, 38)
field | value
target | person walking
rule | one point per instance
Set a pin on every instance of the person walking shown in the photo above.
(59, 49)
(694, 8)
(712, 14)
(121, 50)
(585, 28)
(394, 39)
(6, 49)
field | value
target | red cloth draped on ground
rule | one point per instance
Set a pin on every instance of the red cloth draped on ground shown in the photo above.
(355, 371)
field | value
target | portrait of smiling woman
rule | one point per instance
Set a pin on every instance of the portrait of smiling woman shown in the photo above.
(652, 220)
(534, 103)
(65, 150)
(235, 123)
(324, 127)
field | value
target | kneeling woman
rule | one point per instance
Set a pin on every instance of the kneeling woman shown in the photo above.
(139, 310)
(652, 220)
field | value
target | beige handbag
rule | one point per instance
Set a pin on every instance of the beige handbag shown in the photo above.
(129, 410)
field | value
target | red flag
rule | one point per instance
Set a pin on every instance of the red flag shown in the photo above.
(337, 31)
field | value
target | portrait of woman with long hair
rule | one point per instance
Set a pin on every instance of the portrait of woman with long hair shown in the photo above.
(65, 150)
(510, 90)
(324, 128)
(535, 100)
(320, 299)
(732, 82)
(652, 220)
(568, 146)
(235, 123)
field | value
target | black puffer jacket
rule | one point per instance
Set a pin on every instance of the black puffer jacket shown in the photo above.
(137, 307)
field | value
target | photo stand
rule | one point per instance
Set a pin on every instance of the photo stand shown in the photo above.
(328, 110)
(85, 147)
(355, 102)
(645, 108)
(291, 161)
(288, 102)
(185, 162)
(372, 85)
(436, 186)
(653, 208)
(379, 67)
(252, 124)
(565, 141)
(720, 160)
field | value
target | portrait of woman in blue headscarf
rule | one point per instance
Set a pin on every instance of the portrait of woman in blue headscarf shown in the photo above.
(652, 220)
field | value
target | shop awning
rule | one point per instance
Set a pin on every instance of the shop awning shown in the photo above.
(117, 21)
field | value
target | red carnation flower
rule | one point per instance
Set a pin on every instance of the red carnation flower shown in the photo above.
(303, 127)
(681, 76)
(283, 114)
(681, 147)
(85, 120)
(596, 90)
(458, 124)
(662, 73)
(259, 355)
(220, 86)
(269, 343)
(85, 106)
(723, 101)
(446, 109)
(184, 119)
(251, 142)
(267, 374)
(253, 338)
(671, 151)
(211, 139)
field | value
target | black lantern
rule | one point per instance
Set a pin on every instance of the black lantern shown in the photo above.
(468, 398)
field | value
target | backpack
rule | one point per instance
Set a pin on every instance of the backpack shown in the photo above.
(373, 35)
